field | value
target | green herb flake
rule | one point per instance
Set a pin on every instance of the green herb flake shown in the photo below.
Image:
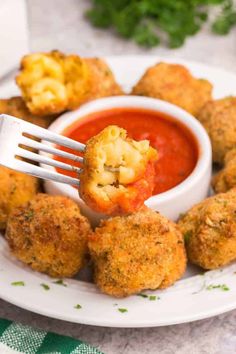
(153, 297)
(122, 310)
(142, 295)
(221, 287)
(29, 215)
(45, 286)
(60, 282)
(18, 283)
(78, 307)
(187, 236)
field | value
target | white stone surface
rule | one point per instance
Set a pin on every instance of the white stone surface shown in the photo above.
(60, 24)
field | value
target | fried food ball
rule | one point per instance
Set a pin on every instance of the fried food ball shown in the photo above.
(118, 172)
(50, 235)
(175, 84)
(53, 82)
(15, 189)
(209, 229)
(219, 119)
(140, 251)
(226, 178)
(15, 106)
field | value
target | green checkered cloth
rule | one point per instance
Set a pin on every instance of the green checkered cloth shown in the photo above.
(16, 338)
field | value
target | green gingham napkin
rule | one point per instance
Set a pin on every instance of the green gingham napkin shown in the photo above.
(16, 338)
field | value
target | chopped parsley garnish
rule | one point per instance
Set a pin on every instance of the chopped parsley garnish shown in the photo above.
(122, 310)
(187, 236)
(221, 287)
(45, 286)
(78, 307)
(60, 282)
(29, 215)
(18, 283)
(153, 297)
(142, 295)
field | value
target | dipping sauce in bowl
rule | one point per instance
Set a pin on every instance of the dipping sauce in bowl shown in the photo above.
(183, 170)
(177, 148)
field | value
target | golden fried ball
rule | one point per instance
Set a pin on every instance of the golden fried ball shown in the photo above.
(15, 106)
(54, 82)
(226, 178)
(175, 84)
(209, 229)
(50, 235)
(15, 189)
(118, 172)
(140, 251)
(219, 119)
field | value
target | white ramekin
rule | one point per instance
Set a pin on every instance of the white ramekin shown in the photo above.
(176, 200)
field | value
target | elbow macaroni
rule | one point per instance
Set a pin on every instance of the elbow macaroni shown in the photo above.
(53, 82)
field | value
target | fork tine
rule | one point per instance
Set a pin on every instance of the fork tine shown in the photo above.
(45, 134)
(47, 161)
(48, 149)
(33, 170)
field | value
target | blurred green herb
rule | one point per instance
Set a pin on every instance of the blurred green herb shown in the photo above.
(60, 282)
(18, 283)
(122, 310)
(149, 22)
(45, 286)
(78, 307)
(222, 287)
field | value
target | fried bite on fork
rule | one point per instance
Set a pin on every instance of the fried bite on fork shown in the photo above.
(118, 172)
(54, 82)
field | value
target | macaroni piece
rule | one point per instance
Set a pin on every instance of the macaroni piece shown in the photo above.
(118, 173)
(53, 82)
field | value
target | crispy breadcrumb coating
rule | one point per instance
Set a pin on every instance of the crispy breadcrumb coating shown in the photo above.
(118, 172)
(226, 178)
(15, 189)
(209, 229)
(175, 84)
(140, 251)
(219, 119)
(15, 106)
(50, 235)
(54, 82)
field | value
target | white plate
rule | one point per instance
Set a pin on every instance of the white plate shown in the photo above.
(188, 300)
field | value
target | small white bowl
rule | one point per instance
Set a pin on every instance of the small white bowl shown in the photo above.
(170, 203)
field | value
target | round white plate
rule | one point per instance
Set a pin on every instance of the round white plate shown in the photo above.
(195, 297)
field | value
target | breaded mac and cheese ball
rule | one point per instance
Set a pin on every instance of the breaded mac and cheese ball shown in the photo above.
(140, 251)
(226, 178)
(118, 172)
(219, 119)
(209, 229)
(53, 82)
(175, 84)
(15, 189)
(50, 235)
(15, 106)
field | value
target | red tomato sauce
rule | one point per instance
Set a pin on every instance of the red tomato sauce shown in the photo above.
(176, 145)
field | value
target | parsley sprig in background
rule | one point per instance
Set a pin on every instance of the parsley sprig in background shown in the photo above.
(150, 22)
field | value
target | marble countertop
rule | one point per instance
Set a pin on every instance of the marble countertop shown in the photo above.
(60, 24)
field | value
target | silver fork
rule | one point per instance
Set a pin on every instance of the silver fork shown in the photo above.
(12, 137)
